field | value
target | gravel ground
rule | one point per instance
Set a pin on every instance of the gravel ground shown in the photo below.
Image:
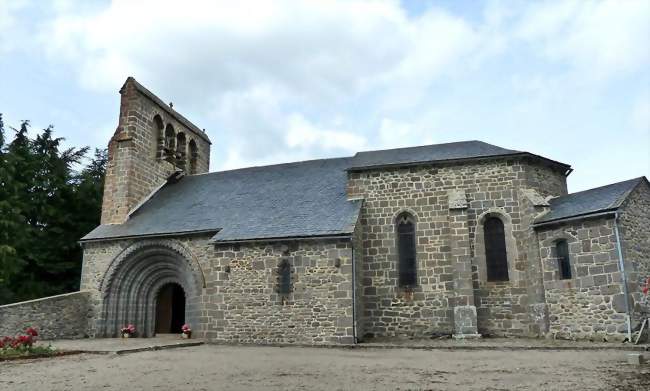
(214, 367)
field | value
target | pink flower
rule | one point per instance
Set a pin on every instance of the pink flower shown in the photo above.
(130, 329)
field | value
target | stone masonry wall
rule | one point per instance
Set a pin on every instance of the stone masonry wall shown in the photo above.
(243, 305)
(544, 179)
(133, 169)
(61, 316)
(591, 304)
(100, 256)
(634, 227)
(240, 302)
(490, 186)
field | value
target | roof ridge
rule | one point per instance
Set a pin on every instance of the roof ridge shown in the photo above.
(629, 191)
(271, 165)
(601, 187)
(437, 144)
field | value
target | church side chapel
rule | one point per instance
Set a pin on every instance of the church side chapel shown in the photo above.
(464, 239)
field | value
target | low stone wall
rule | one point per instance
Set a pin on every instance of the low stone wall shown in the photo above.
(61, 316)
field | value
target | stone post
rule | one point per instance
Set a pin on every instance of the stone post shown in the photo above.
(533, 205)
(465, 320)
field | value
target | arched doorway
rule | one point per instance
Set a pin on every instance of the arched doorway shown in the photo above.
(141, 280)
(170, 309)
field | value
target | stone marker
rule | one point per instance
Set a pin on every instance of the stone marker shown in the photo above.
(635, 359)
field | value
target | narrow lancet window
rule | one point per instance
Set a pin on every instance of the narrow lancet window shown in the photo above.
(563, 261)
(407, 262)
(284, 277)
(496, 256)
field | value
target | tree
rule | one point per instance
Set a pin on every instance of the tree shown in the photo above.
(12, 223)
(45, 207)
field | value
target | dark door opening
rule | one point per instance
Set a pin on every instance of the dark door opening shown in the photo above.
(170, 309)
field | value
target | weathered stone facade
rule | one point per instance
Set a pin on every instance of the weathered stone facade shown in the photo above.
(345, 285)
(447, 229)
(238, 294)
(592, 302)
(244, 306)
(62, 316)
(634, 226)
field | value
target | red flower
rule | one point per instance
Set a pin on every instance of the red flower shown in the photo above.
(32, 331)
(24, 340)
(645, 290)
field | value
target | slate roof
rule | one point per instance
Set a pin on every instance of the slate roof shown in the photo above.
(286, 200)
(462, 150)
(601, 199)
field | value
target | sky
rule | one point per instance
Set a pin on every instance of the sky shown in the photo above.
(281, 81)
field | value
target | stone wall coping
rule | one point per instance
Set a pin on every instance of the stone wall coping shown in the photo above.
(41, 299)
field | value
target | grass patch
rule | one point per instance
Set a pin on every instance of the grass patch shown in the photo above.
(31, 352)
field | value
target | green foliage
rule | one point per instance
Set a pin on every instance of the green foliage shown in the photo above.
(45, 207)
(28, 352)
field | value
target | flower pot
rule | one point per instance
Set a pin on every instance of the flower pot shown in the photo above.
(187, 335)
(126, 335)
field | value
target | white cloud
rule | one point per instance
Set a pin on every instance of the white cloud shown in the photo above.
(295, 80)
(304, 134)
(267, 72)
(598, 38)
(9, 26)
(640, 117)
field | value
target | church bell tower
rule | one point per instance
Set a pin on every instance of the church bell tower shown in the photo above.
(151, 143)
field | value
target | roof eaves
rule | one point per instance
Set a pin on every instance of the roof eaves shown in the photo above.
(564, 219)
(151, 235)
(345, 235)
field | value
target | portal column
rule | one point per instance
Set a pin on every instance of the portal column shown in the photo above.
(465, 320)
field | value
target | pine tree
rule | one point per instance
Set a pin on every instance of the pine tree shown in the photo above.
(12, 222)
(45, 207)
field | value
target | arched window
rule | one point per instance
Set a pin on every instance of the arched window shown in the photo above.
(159, 133)
(181, 150)
(284, 277)
(194, 156)
(407, 265)
(170, 143)
(496, 256)
(563, 261)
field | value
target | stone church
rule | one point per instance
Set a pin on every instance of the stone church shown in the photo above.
(465, 239)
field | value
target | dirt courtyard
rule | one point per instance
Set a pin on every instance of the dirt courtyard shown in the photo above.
(215, 367)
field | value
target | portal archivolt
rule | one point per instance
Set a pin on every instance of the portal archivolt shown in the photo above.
(134, 283)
